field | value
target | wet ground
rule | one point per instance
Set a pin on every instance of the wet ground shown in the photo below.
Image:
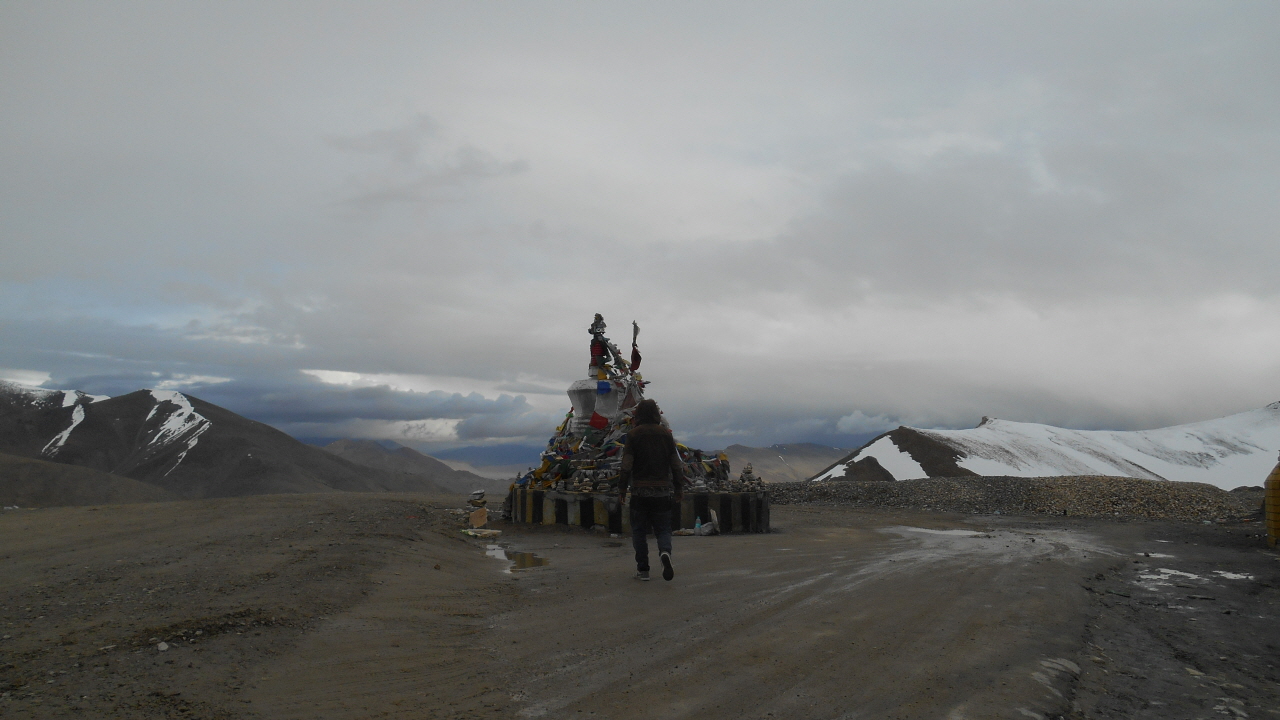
(362, 606)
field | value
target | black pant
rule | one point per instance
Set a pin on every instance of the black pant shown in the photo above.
(650, 513)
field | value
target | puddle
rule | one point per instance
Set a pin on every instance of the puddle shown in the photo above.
(1232, 576)
(519, 560)
(955, 533)
(1153, 555)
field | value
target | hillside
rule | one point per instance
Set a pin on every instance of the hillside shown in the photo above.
(178, 443)
(28, 482)
(1238, 450)
(793, 462)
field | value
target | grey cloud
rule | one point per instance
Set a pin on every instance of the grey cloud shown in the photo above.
(419, 164)
(308, 408)
(402, 145)
(303, 401)
(531, 388)
(786, 198)
(532, 425)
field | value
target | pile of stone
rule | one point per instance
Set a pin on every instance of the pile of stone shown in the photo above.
(713, 477)
(1082, 496)
(585, 453)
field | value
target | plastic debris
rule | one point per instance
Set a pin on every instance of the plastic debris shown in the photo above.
(483, 534)
(707, 528)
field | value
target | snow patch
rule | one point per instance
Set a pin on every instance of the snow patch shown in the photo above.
(835, 472)
(899, 464)
(1164, 576)
(51, 449)
(181, 425)
(1225, 452)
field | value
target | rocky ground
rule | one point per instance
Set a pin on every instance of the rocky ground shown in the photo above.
(365, 605)
(1081, 496)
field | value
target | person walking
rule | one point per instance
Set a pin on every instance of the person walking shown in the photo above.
(652, 471)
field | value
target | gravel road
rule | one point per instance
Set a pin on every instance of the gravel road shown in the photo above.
(361, 606)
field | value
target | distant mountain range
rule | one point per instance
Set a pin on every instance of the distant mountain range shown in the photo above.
(67, 447)
(407, 462)
(177, 444)
(784, 463)
(1238, 450)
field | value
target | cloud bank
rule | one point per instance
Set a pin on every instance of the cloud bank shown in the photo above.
(827, 219)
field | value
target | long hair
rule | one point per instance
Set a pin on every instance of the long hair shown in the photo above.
(647, 413)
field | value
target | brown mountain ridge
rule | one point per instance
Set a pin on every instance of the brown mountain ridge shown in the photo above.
(182, 446)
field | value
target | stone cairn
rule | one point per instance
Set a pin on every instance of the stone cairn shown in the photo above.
(585, 453)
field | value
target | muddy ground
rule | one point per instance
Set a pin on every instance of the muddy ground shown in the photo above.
(370, 606)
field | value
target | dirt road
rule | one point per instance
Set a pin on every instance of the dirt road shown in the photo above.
(332, 606)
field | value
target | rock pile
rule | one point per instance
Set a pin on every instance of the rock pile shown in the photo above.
(585, 453)
(1083, 496)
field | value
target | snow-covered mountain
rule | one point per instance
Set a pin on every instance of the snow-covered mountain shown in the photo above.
(178, 443)
(1227, 452)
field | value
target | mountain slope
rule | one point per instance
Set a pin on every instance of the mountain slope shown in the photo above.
(179, 443)
(28, 482)
(30, 417)
(1226, 452)
(409, 464)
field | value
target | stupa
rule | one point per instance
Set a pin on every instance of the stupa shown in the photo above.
(577, 480)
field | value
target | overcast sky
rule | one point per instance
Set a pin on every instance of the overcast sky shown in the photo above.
(396, 220)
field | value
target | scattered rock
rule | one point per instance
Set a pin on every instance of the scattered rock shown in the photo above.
(1076, 496)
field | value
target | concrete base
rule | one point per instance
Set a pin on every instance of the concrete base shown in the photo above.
(738, 512)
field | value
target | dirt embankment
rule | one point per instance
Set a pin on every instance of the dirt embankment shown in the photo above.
(184, 609)
(1080, 496)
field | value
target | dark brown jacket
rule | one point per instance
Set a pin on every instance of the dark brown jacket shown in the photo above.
(650, 460)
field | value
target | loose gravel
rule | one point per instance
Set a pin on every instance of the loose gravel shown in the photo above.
(1080, 496)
